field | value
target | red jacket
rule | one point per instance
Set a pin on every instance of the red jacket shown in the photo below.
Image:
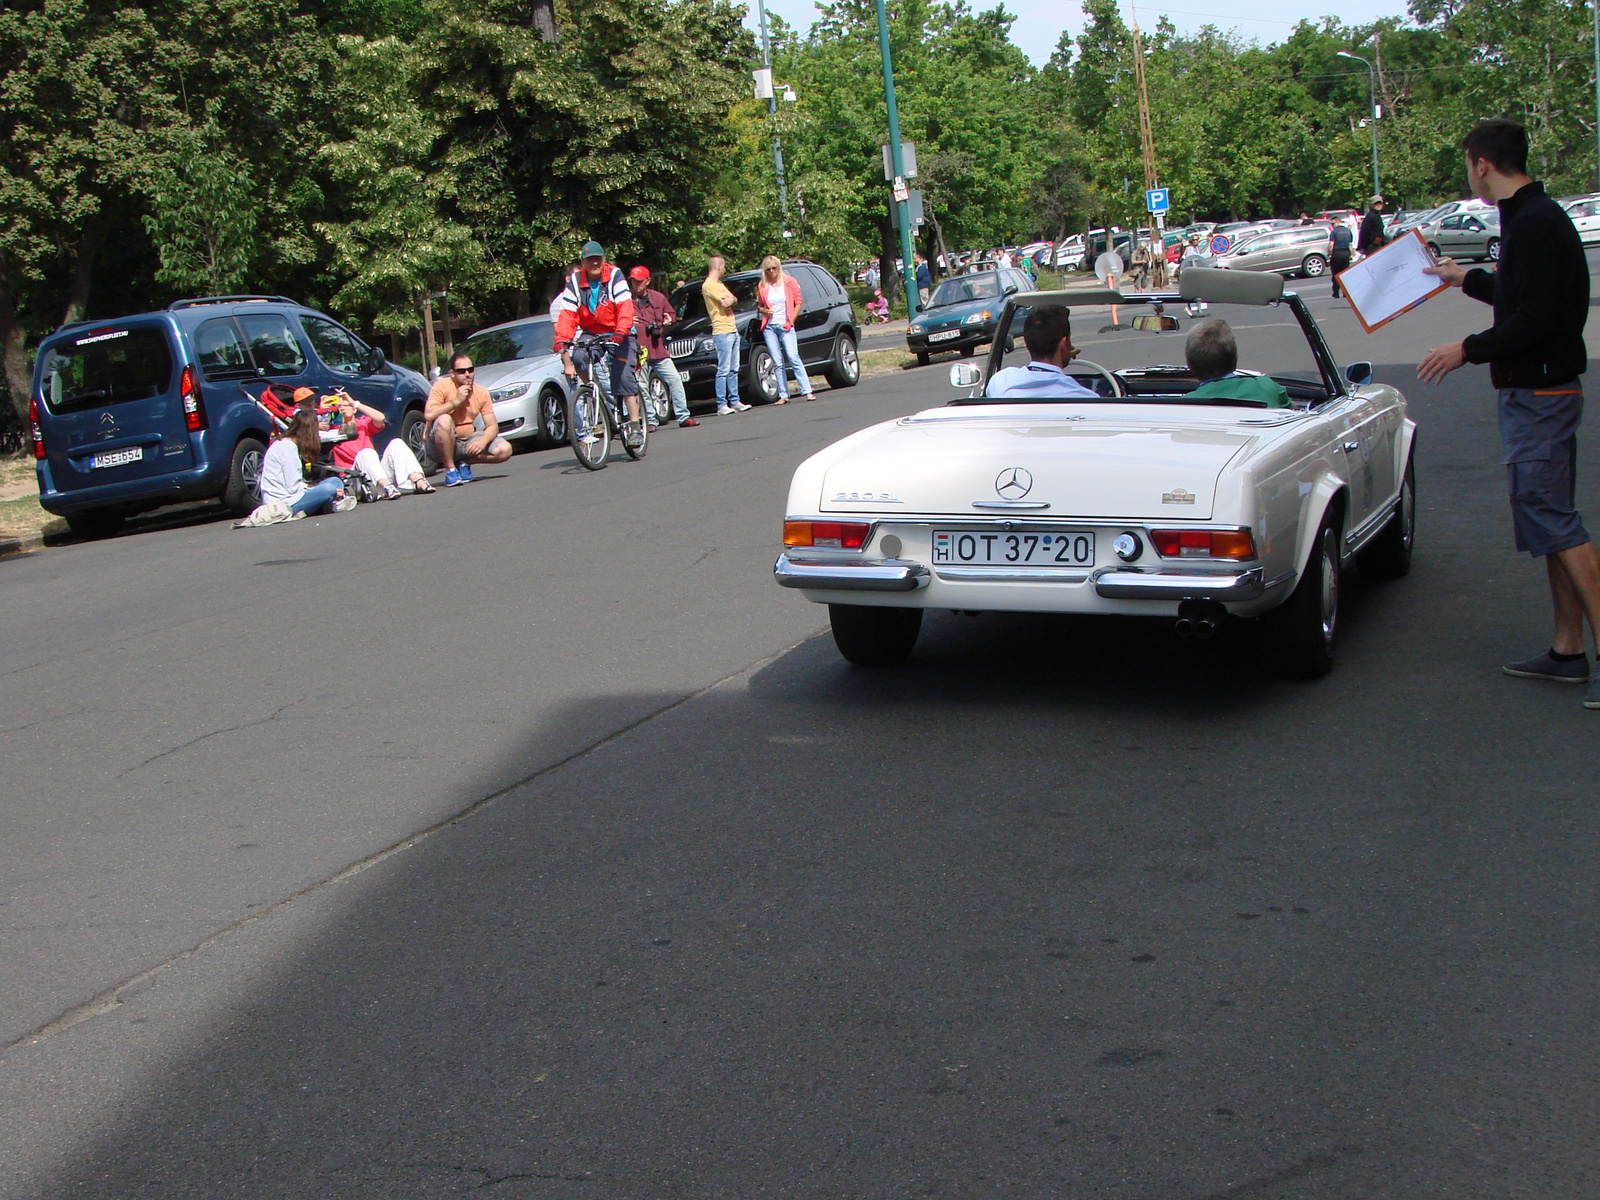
(603, 307)
(791, 289)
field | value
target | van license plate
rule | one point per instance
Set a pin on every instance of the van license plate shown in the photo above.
(117, 458)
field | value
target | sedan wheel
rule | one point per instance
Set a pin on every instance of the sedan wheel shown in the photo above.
(1388, 556)
(660, 400)
(1314, 265)
(1302, 629)
(872, 636)
(553, 417)
(1494, 249)
(1434, 246)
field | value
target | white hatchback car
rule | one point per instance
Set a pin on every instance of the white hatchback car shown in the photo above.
(1139, 502)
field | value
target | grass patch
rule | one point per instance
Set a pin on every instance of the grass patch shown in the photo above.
(881, 362)
(24, 518)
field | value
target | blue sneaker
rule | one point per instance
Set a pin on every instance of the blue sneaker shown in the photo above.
(452, 477)
(465, 471)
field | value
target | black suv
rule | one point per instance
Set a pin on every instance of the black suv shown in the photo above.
(825, 328)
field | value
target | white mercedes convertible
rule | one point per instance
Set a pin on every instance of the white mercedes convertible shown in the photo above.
(1141, 501)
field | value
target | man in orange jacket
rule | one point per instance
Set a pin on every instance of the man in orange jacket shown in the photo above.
(597, 300)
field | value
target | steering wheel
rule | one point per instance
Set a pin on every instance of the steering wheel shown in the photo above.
(1116, 386)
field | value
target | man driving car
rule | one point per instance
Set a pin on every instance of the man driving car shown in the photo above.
(1048, 335)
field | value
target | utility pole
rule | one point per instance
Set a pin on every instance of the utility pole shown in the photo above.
(901, 192)
(772, 111)
(1147, 146)
(1372, 113)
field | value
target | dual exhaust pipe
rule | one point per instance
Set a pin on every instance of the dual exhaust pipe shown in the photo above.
(1199, 619)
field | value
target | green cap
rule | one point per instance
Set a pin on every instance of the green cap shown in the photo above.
(592, 250)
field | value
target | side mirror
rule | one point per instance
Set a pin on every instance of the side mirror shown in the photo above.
(965, 375)
(1011, 289)
(375, 363)
(1154, 324)
(1359, 373)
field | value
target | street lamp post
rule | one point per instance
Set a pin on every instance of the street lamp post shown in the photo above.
(902, 205)
(772, 111)
(1372, 111)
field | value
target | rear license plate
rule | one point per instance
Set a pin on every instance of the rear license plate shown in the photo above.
(944, 336)
(1057, 549)
(117, 458)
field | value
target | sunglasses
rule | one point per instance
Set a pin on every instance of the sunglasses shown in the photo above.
(461, 370)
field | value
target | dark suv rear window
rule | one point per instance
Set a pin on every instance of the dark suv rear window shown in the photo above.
(106, 367)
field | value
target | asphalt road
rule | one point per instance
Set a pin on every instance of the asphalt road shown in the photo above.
(526, 839)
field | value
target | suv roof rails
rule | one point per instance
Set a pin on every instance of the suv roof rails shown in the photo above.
(196, 303)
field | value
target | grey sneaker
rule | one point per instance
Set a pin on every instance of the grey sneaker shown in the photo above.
(1545, 667)
(1592, 700)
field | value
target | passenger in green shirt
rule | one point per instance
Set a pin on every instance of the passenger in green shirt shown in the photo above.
(1213, 356)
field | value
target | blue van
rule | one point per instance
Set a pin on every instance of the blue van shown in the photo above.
(134, 413)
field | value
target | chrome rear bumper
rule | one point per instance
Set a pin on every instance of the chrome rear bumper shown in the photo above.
(867, 575)
(1133, 583)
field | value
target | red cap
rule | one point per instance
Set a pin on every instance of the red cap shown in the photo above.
(639, 273)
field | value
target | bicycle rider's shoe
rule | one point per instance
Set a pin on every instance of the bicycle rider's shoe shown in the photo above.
(465, 471)
(452, 478)
(632, 435)
(588, 437)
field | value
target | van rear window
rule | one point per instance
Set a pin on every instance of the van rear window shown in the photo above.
(105, 367)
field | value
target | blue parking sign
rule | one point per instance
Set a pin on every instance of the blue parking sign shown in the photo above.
(1157, 199)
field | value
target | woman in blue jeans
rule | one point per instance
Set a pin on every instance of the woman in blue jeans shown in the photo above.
(283, 470)
(778, 302)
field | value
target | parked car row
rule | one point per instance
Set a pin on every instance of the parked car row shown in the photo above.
(137, 412)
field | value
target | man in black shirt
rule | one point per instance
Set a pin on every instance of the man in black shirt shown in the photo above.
(1372, 239)
(1535, 351)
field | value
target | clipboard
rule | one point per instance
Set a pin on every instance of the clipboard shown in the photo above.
(1384, 285)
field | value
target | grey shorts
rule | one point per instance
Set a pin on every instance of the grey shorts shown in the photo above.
(461, 442)
(1539, 427)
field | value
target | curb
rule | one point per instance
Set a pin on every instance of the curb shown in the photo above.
(22, 545)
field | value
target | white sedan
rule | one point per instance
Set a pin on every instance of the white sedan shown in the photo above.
(1585, 214)
(1140, 502)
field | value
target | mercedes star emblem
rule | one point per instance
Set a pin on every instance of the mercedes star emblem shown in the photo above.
(1013, 483)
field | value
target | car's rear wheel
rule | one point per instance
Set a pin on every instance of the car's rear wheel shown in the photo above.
(96, 522)
(659, 400)
(1494, 249)
(874, 637)
(553, 417)
(1434, 246)
(1302, 629)
(844, 368)
(1388, 556)
(1314, 265)
(242, 493)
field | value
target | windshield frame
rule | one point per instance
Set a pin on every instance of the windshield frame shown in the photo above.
(1333, 380)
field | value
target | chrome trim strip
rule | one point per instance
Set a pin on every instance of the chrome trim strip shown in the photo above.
(1011, 504)
(1013, 574)
(866, 575)
(1372, 528)
(1132, 583)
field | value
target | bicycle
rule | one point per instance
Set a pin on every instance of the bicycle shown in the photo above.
(589, 408)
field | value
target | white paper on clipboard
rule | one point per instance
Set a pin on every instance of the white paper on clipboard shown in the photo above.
(1383, 285)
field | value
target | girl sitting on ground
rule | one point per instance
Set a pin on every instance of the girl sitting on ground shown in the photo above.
(283, 470)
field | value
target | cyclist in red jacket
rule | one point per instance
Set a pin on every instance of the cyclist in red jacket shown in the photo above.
(597, 300)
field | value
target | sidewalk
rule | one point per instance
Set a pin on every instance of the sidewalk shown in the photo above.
(894, 329)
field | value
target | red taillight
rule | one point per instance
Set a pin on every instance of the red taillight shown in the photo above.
(33, 424)
(194, 409)
(1233, 544)
(826, 535)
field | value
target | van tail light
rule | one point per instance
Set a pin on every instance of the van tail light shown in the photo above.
(826, 535)
(1235, 544)
(194, 408)
(33, 425)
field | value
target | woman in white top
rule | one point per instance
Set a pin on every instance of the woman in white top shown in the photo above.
(283, 477)
(778, 302)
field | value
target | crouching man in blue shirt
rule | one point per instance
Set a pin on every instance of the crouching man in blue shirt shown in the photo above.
(1048, 335)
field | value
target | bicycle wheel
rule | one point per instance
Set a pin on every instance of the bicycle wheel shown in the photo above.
(584, 411)
(637, 442)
